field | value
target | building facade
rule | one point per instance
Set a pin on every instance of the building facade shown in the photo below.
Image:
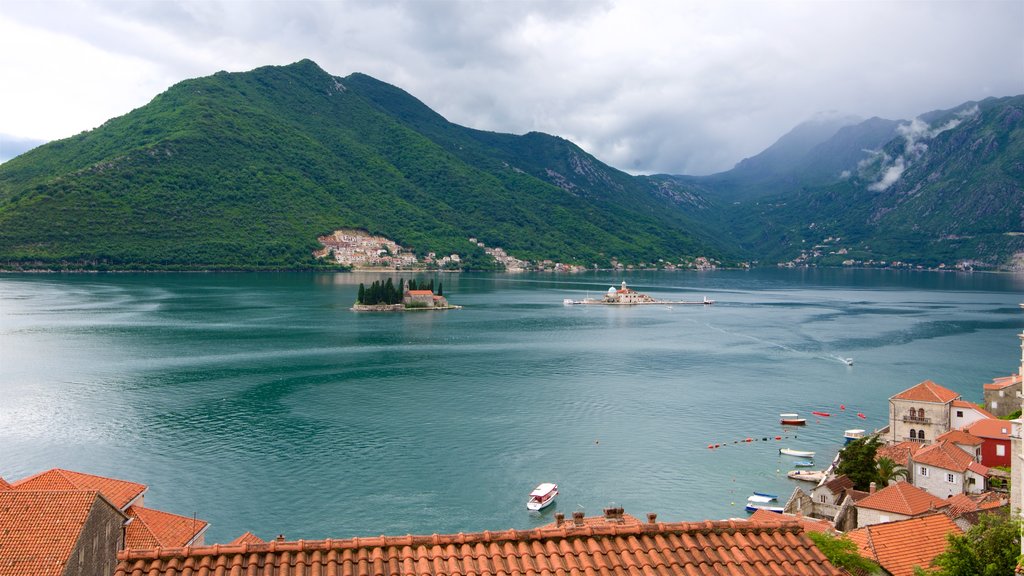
(921, 413)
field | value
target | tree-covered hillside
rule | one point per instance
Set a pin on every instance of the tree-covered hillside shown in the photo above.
(245, 170)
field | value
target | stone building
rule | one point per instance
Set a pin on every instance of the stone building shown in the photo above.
(899, 501)
(920, 413)
(943, 469)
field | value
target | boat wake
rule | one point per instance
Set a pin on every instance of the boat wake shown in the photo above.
(830, 357)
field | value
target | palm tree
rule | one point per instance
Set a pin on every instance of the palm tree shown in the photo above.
(888, 470)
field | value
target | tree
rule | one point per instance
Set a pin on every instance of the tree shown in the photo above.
(842, 553)
(440, 288)
(857, 462)
(887, 470)
(990, 548)
(362, 293)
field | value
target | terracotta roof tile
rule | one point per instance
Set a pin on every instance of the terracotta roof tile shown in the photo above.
(120, 492)
(927, 391)
(899, 546)
(1003, 382)
(991, 428)
(973, 406)
(945, 455)
(807, 523)
(248, 538)
(153, 528)
(902, 498)
(39, 529)
(966, 503)
(4, 485)
(959, 437)
(640, 549)
(899, 453)
(838, 484)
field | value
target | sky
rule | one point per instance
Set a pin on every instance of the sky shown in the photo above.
(672, 86)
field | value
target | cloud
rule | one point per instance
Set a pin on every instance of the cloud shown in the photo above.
(645, 85)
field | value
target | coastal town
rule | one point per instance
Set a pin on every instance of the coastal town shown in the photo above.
(940, 467)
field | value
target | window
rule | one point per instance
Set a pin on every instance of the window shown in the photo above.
(920, 434)
(1000, 450)
(821, 498)
(913, 434)
(913, 413)
(950, 478)
(923, 471)
(959, 413)
(920, 413)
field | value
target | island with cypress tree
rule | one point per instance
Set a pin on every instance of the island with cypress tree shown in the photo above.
(385, 297)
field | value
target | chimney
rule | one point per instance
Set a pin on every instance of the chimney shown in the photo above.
(871, 488)
(651, 517)
(577, 518)
(280, 537)
(559, 518)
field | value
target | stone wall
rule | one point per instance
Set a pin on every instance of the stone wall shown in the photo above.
(101, 537)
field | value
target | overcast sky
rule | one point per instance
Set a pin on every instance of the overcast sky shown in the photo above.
(682, 87)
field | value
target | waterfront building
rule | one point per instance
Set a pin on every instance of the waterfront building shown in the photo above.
(921, 413)
(899, 501)
(995, 436)
(964, 413)
(626, 295)
(1002, 395)
(943, 469)
(615, 545)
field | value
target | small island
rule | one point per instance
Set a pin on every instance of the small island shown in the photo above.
(625, 296)
(384, 297)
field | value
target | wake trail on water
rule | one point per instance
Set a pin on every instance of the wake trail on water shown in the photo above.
(830, 357)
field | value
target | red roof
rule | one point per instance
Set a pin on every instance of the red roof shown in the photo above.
(899, 546)
(972, 406)
(152, 528)
(248, 538)
(902, 498)
(899, 453)
(1003, 382)
(39, 529)
(991, 428)
(420, 293)
(4, 485)
(960, 437)
(120, 492)
(684, 548)
(966, 503)
(927, 391)
(945, 455)
(807, 523)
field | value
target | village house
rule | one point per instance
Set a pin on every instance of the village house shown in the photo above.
(68, 499)
(920, 413)
(614, 544)
(964, 413)
(900, 546)
(963, 440)
(1003, 395)
(966, 509)
(945, 470)
(899, 501)
(995, 436)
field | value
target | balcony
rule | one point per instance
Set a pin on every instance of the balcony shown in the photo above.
(918, 440)
(916, 420)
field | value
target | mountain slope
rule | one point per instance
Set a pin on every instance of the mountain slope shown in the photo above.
(245, 170)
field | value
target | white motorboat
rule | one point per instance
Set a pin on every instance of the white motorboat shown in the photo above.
(542, 496)
(800, 453)
(853, 434)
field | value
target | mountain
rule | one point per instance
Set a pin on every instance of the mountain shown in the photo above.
(246, 170)
(948, 190)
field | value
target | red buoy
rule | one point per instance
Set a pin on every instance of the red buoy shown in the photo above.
(778, 437)
(749, 440)
(861, 415)
(842, 407)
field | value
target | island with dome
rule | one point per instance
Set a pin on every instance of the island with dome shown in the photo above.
(626, 296)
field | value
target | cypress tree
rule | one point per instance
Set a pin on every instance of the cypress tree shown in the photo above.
(362, 294)
(440, 288)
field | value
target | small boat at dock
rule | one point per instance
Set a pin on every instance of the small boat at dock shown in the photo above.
(791, 419)
(853, 434)
(752, 507)
(542, 496)
(800, 453)
(806, 475)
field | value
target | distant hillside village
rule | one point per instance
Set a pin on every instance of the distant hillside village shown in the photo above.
(364, 251)
(942, 467)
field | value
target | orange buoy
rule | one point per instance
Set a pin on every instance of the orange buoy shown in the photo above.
(861, 415)
(749, 440)
(710, 446)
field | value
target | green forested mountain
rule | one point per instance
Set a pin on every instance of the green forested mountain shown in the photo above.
(245, 170)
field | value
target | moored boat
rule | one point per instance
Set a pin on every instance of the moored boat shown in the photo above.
(791, 419)
(800, 453)
(542, 496)
(803, 463)
(751, 507)
(806, 475)
(853, 434)
(759, 499)
(822, 414)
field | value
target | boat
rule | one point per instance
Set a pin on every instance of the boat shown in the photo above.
(790, 419)
(755, 507)
(806, 475)
(801, 453)
(762, 497)
(803, 463)
(542, 496)
(847, 361)
(822, 414)
(853, 434)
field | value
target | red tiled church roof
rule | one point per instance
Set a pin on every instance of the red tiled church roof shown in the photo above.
(902, 498)
(927, 391)
(899, 546)
(39, 529)
(153, 528)
(722, 548)
(120, 492)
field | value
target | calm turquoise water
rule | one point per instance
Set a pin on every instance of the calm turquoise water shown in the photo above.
(260, 402)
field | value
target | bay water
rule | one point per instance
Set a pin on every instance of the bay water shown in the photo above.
(261, 402)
